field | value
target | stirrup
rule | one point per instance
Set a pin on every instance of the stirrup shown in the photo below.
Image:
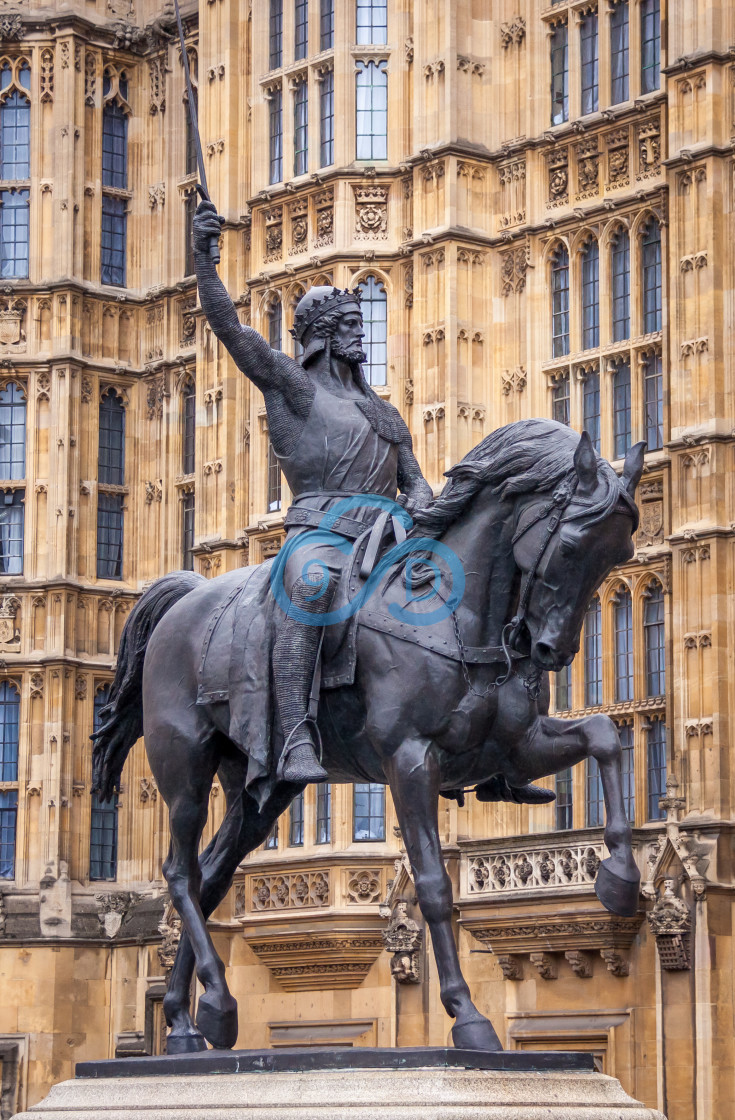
(299, 762)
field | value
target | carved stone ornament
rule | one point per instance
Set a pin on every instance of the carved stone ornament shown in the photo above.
(618, 160)
(12, 323)
(670, 922)
(371, 212)
(364, 886)
(513, 268)
(514, 380)
(288, 890)
(9, 632)
(651, 528)
(113, 910)
(311, 960)
(558, 166)
(170, 930)
(403, 938)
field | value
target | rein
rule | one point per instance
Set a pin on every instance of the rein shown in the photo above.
(560, 501)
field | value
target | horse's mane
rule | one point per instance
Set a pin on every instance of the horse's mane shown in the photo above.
(525, 457)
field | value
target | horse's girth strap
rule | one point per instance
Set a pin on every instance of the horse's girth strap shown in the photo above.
(422, 636)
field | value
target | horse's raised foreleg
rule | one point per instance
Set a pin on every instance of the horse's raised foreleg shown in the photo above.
(414, 776)
(554, 745)
(242, 830)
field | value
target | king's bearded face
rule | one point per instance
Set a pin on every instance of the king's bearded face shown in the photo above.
(346, 344)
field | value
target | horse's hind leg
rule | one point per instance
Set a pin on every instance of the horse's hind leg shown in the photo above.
(243, 829)
(414, 776)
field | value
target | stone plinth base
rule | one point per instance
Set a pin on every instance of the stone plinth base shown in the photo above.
(430, 1084)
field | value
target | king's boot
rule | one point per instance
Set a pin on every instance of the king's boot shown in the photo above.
(295, 654)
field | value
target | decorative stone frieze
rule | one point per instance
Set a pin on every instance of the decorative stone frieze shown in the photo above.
(288, 890)
(539, 868)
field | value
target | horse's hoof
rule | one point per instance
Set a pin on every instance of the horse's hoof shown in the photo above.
(618, 895)
(478, 1034)
(185, 1044)
(218, 1021)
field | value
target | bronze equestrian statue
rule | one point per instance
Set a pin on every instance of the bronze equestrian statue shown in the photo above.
(448, 687)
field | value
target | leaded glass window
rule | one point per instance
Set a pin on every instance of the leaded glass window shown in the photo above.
(296, 821)
(9, 731)
(623, 634)
(374, 303)
(326, 25)
(15, 136)
(372, 110)
(326, 120)
(650, 45)
(591, 408)
(103, 830)
(274, 480)
(271, 840)
(111, 467)
(301, 29)
(560, 400)
(656, 768)
(563, 689)
(276, 137)
(323, 813)
(109, 536)
(8, 828)
(114, 146)
(653, 635)
(190, 205)
(627, 768)
(14, 233)
(619, 53)
(12, 432)
(564, 799)
(190, 165)
(275, 319)
(590, 64)
(276, 35)
(189, 424)
(651, 277)
(12, 510)
(593, 655)
(594, 799)
(653, 401)
(187, 532)
(372, 21)
(113, 240)
(301, 129)
(369, 811)
(560, 303)
(621, 286)
(590, 296)
(622, 433)
(559, 75)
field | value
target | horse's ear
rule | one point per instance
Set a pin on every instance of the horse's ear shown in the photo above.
(633, 467)
(585, 462)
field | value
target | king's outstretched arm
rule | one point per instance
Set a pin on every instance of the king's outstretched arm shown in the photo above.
(267, 368)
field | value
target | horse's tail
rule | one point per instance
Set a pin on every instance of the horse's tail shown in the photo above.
(121, 719)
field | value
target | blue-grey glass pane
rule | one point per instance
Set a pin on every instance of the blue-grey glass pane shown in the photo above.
(653, 398)
(323, 813)
(189, 433)
(656, 769)
(301, 28)
(8, 824)
(621, 287)
(326, 25)
(109, 536)
(560, 401)
(622, 432)
(653, 631)
(623, 626)
(374, 303)
(627, 767)
(274, 480)
(591, 409)
(187, 532)
(276, 137)
(6, 76)
(15, 137)
(113, 241)
(9, 725)
(651, 269)
(369, 811)
(591, 296)
(12, 512)
(619, 53)
(14, 234)
(563, 689)
(590, 62)
(564, 805)
(296, 821)
(103, 839)
(560, 303)
(559, 76)
(595, 801)
(12, 433)
(372, 111)
(114, 146)
(276, 34)
(593, 655)
(650, 45)
(326, 106)
(301, 129)
(111, 464)
(372, 21)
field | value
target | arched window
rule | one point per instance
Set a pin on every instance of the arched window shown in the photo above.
(656, 768)
(189, 420)
(594, 798)
(593, 655)
(372, 110)
(651, 277)
(623, 632)
(368, 811)
(621, 408)
(103, 826)
(374, 303)
(590, 296)
(12, 432)
(653, 638)
(372, 22)
(9, 731)
(275, 325)
(627, 769)
(112, 440)
(296, 821)
(560, 302)
(15, 166)
(620, 269)
(591, 407)
(326, 119)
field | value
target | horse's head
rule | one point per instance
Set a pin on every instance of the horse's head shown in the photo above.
(566, 545)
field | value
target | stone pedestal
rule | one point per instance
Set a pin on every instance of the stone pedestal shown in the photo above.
(362, 1084)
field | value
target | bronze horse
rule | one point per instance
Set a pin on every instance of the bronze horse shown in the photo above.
(537, 521)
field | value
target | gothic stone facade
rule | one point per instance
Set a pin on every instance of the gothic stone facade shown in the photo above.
(537, 200)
